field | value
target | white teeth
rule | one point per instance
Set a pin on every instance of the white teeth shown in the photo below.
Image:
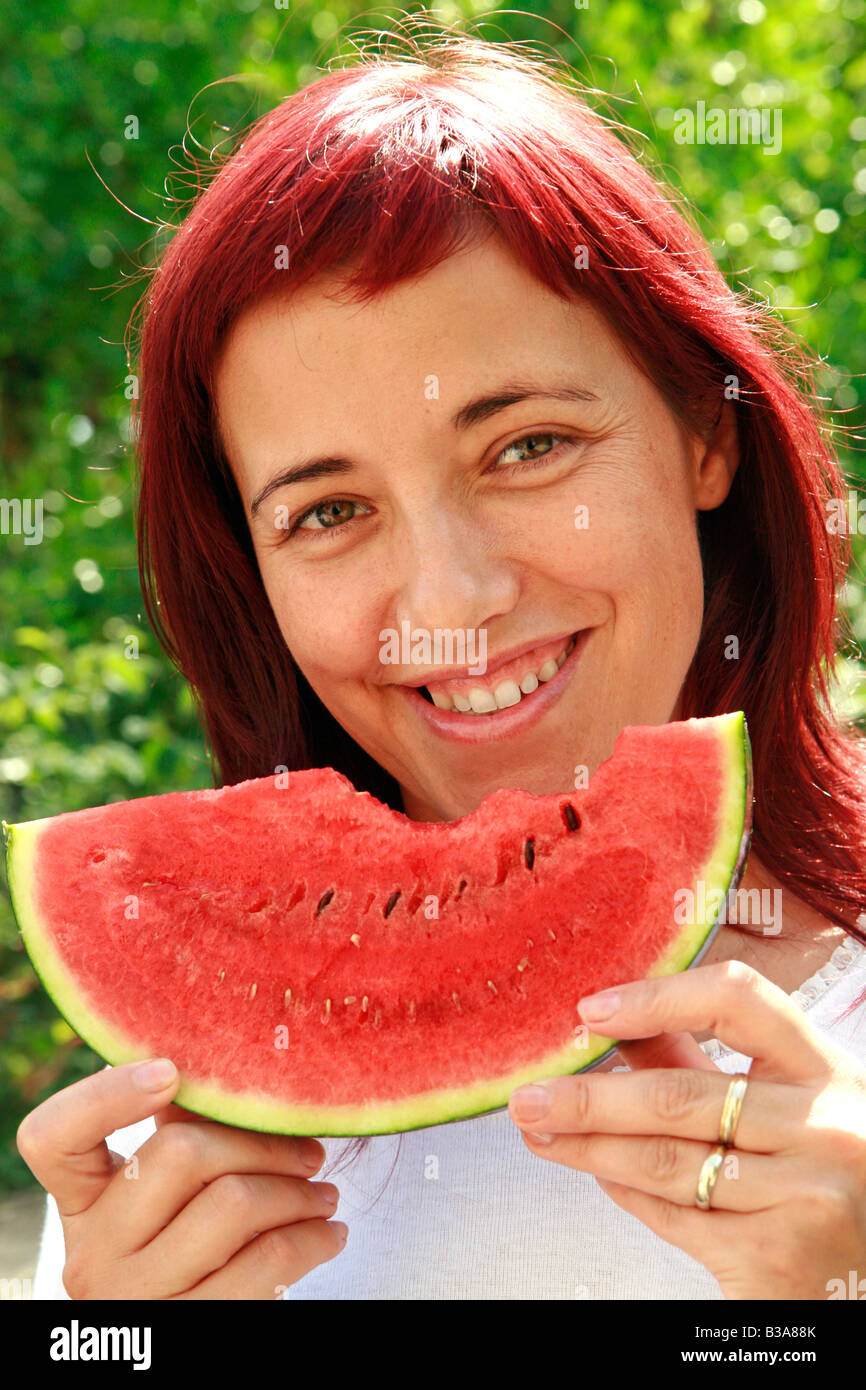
(441, 701)
(508, 693)
(482, 701)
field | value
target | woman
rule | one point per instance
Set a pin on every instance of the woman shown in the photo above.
(428, 311)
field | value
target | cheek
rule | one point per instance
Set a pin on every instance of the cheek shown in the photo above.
(325, 621)
(617, 527)
(623, 536)
(660, 600)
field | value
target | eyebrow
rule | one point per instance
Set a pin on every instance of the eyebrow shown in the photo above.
(473, 413)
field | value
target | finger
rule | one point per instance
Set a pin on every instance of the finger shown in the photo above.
(682, 1103)
(708, 1236)
(63, 1143)
(731, 1000)
(175, 1164)
(219, 1222)
(670, 1168)
(667, 1050)
(272, 1262)
(174, 1114)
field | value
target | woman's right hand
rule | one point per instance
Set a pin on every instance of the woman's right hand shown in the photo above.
(201, 1210)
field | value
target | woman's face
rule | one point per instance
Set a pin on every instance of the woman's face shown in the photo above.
(468, 500)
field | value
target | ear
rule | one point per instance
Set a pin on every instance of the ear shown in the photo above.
(715, 461)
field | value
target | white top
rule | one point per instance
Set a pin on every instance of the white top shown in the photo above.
(470, 1213)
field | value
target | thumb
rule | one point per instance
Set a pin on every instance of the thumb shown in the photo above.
(176, 1114)
(63, 1143)
(666, 1050)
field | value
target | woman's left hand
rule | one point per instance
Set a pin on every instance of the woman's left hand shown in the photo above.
(788, 1211)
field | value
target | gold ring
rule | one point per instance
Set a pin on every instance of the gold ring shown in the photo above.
(707, 1179)
(731, 1108)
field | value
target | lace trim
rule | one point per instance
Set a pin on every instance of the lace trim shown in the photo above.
(843, 959)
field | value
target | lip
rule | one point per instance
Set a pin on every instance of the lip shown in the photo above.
(449, 673)
(485, 728)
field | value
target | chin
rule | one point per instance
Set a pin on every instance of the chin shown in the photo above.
(456, 800)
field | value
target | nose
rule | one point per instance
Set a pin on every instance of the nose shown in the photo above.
(454, 571)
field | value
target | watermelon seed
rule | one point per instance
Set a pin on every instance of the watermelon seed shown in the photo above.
(364, 1002)
(352, 999)
(355, 940)
(253, 991)
(323, 901)
(327, 1013)
(222, 976)
(376, 1017)
(411, 1008)
(551, 934)
(493, 987)
(529, 853)
(392, 902)
(523, 964)
(572, 819)
(287, 998)
(457, 1003)
(461, 886)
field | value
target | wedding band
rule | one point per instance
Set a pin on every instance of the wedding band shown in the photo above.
(727, 1129)
(708, 1175)
(731, 1109)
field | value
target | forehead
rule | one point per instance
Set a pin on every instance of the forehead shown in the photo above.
(314, 372)
(479, 304)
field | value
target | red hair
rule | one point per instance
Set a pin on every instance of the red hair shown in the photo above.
(388, 164)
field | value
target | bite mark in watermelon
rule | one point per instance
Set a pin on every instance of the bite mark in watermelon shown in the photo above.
(316, 963)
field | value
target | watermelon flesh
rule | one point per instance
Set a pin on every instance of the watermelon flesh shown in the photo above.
(316, 963)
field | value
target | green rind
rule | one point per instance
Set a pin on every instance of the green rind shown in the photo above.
(252, 1110)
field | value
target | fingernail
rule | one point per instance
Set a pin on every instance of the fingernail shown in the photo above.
(341, 1230)
(539, 1138)
(597, 1007)
(155, 1076)
(312, 1153)
(530, 1103)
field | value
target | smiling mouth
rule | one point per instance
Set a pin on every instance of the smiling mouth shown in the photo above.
(462, 697)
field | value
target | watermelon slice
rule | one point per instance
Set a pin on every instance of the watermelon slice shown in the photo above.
(317, 963)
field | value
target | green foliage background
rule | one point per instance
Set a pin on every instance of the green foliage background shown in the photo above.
(80, 723)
